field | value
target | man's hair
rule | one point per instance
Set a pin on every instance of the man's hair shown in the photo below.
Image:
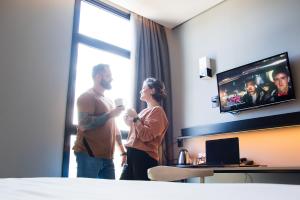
(279, 71)
(99, 69)
(159, 88)
(248, 80)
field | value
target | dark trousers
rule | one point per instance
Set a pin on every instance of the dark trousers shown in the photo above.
(138, 162)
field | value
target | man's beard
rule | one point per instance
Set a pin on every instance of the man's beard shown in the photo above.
(105, 84)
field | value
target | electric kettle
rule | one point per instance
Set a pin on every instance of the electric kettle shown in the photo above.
(184, 157)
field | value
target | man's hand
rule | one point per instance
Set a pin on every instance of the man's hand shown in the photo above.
(124, 159)
(116, 111)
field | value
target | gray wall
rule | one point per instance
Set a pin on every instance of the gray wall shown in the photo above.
(232, 34)
(35, 38)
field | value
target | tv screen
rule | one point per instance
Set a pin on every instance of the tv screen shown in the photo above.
(257, 84)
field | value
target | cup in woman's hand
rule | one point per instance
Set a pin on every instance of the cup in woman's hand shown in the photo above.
(131, 112)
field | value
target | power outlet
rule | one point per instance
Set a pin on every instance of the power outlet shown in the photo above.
(179, 142)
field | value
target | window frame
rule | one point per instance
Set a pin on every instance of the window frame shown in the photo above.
(78, 38)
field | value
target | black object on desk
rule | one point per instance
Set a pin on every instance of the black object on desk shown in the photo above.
(222, 152)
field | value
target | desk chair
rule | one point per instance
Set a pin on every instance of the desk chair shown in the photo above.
(167, 173)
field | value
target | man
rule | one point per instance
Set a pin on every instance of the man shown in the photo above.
(254, 96)
(283, 91)
(97, 131)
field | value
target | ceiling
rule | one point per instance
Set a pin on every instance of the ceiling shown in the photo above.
(169, 13)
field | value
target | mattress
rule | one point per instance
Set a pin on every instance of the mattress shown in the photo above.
(84, 188)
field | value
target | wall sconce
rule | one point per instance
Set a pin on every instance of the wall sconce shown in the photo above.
(204, 68)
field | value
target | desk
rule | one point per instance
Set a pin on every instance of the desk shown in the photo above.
(262, 169)
(261, 174)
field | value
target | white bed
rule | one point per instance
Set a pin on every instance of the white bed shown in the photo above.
(89, 189)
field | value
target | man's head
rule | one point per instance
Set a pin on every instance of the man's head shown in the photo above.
(281, 80)
(250, 86)
(102, 76)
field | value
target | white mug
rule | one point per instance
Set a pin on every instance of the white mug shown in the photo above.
(119, 102)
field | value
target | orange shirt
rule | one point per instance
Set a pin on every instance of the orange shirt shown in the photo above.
(148, 135)
(101, 140)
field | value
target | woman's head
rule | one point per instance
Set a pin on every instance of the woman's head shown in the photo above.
(153, 88)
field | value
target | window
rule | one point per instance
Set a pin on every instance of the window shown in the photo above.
(104, 25)
(102, 34)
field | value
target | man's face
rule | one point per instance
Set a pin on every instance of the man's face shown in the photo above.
(250, 87)
(106, 79)
(281, 81)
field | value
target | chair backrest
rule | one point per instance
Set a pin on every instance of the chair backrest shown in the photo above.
(167, 173)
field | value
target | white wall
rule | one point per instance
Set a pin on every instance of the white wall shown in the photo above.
(35, 38)
(232, 34)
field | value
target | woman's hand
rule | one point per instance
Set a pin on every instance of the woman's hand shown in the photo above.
(131, 113)
(128, 120)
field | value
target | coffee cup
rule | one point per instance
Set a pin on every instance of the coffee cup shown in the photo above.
(119, 102)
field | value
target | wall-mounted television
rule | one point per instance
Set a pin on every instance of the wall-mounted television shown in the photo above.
(261, 83)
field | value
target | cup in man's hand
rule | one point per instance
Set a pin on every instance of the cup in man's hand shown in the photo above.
(119, 102)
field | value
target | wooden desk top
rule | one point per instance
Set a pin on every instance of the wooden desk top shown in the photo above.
(262, 169)
(249, 169)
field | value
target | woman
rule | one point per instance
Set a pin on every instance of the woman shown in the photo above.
(147, 130)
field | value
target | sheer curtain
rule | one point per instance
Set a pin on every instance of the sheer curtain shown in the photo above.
(151, 59)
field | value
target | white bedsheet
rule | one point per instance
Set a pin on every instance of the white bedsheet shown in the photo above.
(85, 189)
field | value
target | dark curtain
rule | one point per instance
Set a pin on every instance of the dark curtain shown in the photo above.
(151, 58)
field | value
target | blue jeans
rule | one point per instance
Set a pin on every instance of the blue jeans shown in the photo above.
(91, 167)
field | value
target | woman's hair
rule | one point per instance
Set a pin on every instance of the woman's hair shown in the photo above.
(159, 88)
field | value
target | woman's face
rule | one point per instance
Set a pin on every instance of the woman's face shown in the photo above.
(146, 93)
